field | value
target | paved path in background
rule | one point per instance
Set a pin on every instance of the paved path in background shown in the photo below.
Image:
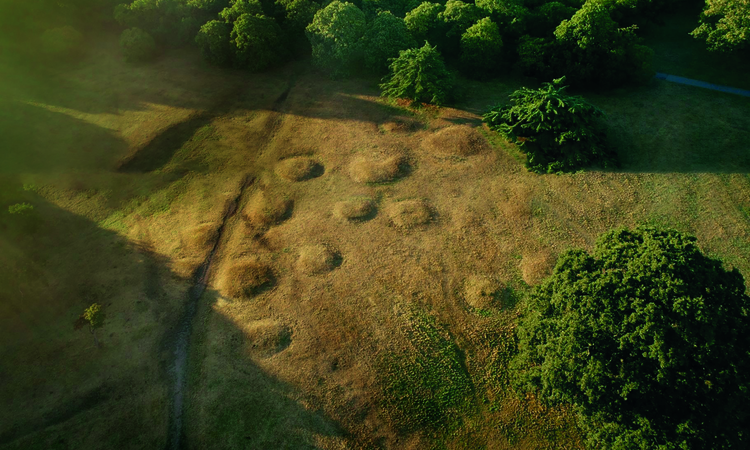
(703, 84)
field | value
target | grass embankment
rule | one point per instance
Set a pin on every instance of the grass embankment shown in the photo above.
(391, 276)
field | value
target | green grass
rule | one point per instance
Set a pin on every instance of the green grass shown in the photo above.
(426, 386)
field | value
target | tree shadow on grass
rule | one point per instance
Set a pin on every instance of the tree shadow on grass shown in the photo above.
(59, 391)
(666, 127)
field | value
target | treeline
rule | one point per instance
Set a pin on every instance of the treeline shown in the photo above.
(593, 43)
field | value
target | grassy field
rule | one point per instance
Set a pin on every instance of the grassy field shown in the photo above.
(365, 293)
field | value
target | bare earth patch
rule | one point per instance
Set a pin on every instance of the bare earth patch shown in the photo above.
(401, 125)
(462, 140)
(409, 213)
(244, 278)
(299, 168)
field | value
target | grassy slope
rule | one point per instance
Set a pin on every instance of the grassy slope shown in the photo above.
(382, 351)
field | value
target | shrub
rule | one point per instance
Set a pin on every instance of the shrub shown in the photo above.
(648, 338)
(64, 41)
(257, 41)
(725, 25)
(558, 132)
(482, 48)
(20, 208)
(213, 40)
(137, 45)
(419, 75)
(385, 37)
(334, 35)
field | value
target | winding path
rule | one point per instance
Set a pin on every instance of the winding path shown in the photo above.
(702, 84)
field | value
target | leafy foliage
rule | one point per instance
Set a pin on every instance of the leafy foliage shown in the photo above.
(419, 75)
(511, 15)
(334, 35)
(213, 40)
(482, 48)
(298, 14)
(558, 132)
(385, 37)
(240, 7)
(648, 338)
(20, 208)
(424, 22)
(137, 45)
(160, 18)
(258, 42)
(458, 17)
(725, 25)
(590, 49)
(544, 20)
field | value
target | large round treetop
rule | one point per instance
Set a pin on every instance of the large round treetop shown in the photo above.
(649, 339)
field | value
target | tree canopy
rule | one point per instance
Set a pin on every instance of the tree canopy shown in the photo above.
(558, 132)
(725, 25)
(419, 75)
(385, 37)
(648, 338)
(334, 35)
(258, 42)
(482, 48)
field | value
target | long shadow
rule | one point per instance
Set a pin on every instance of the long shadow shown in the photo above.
(58, 390)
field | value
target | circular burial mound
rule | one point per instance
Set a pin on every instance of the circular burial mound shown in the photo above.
(460, 140)
(201, 238)
(299, 168)
(409, 213)
(245, 278)
(372, 170)
(266, 337)
(481, 292)
(356, 209)
(401, 125)
(317, 259)
(265, 210)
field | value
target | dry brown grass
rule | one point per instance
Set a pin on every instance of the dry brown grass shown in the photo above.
(536, 266)
(266, 337)
(264, 210)
(402, 125)
(409, 213)
(298, 168)
(463, 140)
(376, 169)
(245, 278)
(355, 209)
(482, 291)
(317, 259)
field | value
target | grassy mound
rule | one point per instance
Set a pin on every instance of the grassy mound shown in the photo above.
(362, 208)
(317, 259)
(267, 337)
(481, 292)
(401, 125)
(370, 170)
(245, 278)
(462, 140)
(200, 239)
(409, 213)
(299, 168)
(264, 210)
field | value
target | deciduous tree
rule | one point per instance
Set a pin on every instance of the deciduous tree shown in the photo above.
(334, 35)
(419, 75)
(648, 338)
